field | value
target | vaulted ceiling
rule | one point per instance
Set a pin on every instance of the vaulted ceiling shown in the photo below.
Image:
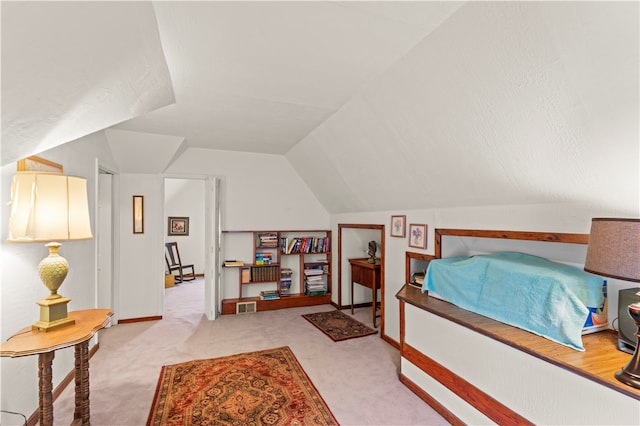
(242, 76)
(377, 105)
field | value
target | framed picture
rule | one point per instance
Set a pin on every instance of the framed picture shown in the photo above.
(398, 226)
(138, 214)
(178, 226)
(38, 164)
(418, 236)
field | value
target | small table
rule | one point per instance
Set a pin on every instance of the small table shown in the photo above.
(368, 275)
(30, 342)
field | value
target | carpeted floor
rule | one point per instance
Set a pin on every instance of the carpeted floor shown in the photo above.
(338, 326)
(267, 387)
(357, 378)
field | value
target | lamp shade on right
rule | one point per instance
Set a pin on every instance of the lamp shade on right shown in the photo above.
(614, 248)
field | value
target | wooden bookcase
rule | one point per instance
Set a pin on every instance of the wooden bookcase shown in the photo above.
(272, 252)
(415, 263)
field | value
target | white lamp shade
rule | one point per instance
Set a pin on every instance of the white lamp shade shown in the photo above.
(48, 207)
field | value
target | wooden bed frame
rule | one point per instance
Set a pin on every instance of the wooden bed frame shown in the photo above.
(461, 398)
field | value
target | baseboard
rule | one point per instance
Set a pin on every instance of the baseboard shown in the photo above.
(141, 319)
(439, 408)
(35, 417)
(390, 341)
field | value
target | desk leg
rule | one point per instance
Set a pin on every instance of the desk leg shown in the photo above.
(351, 297)
(375, 302)
(45, 398)
(81, 413)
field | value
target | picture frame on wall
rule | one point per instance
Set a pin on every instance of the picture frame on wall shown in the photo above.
(398, 226)
(178, 226)
(138, 214)
(418, 236)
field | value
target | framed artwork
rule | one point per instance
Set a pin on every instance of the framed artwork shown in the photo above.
(418, 236)
(178, 226)
(38, 164)
(138, 214)
(398, 226)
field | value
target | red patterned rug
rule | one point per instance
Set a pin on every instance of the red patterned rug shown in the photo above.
(257, 388)
(338, 325)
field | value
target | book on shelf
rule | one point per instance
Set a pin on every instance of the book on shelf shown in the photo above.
(269, 295)
(233, 263)
(245, 275)
(263, 258)
(267, 240)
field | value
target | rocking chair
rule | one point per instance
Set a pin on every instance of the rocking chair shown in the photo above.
(174, 264)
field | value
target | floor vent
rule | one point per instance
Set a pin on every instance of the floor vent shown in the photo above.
(245, 307)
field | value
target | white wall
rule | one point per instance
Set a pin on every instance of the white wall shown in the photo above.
(141, 256)
(258, 191)
(185, 198)
(21, 286)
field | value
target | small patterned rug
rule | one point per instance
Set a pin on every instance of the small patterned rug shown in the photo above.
(338, 325)
(257, 388)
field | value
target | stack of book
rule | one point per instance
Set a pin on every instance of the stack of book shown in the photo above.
(228, 263)
(314, 280)
(417, 279)
(267, 240)
(269, 295)
(263, 258)
(285, 281)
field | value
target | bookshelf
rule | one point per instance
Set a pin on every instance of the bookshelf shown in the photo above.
(277, 269)
(416, 263)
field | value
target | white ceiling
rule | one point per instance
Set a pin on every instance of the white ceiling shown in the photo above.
(377, 105)
(247, 76)
(72, 68)
(259, 76)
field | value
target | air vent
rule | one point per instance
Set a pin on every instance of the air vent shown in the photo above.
(246, 307)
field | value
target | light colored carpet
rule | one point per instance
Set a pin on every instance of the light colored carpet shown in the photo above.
(357, 378)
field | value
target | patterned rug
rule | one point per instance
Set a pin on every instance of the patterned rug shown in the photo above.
(257, 388)
(339, 326)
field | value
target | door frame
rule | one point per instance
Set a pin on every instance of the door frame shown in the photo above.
(366, 226)
(212, 296)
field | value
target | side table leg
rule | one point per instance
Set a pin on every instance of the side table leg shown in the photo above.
(81, 414)
(45, 398)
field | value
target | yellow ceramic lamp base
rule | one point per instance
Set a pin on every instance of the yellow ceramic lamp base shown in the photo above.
(53, 314)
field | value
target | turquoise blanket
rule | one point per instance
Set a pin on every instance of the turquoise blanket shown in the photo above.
(546, 298)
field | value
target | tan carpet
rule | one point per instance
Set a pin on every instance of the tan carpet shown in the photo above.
(358, 378)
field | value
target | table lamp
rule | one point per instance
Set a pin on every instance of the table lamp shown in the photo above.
(50, 207)
(614, 251)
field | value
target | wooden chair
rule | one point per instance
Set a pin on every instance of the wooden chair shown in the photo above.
(174, 264)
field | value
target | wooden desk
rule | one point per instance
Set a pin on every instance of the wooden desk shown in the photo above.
(29, 342)
(368, 275)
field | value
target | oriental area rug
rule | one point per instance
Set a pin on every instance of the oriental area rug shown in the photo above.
(256, 388)
(339, 326)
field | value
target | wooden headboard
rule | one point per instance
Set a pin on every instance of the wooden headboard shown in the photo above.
(550, 237)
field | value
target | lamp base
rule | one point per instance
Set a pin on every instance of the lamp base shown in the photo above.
(630, 375)
(53, 314)
(628, 378)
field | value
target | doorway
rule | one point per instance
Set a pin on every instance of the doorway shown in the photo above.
(353, 242)
(195, 201)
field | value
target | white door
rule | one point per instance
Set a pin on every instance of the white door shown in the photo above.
(104, 237)
(211, 232)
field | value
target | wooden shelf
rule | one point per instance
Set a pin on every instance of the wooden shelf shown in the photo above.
(291, 301)
(295, 299)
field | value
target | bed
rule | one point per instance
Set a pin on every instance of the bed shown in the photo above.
(474, 369)
(548, 298)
